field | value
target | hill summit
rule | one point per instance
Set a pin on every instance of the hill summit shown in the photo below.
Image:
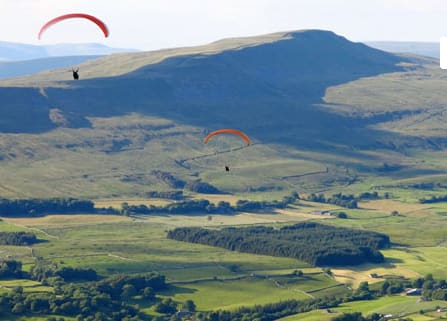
(251, 83)
(318, 108)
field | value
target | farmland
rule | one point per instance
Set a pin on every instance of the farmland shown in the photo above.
(118, 244)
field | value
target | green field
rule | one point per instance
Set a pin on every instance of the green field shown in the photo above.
(257, 289)
(115, 244)
(339, 130)
(395, 305)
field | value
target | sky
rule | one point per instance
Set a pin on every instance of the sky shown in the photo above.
(157, 24)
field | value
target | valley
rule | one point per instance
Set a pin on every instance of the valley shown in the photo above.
(353, 140)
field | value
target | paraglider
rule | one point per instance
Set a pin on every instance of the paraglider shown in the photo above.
(93, 19)
(228, 131)
(75, 73)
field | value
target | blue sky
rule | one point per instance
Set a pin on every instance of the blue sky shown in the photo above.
(155, 24)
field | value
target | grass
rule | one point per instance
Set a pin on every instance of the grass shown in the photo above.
(385, 305)
(126, 62)
(113, 244)
(213, 295)
(27, 285)
(67, 220)
(111, 162)
(81, 240)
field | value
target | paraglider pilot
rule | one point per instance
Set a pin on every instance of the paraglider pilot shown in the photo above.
(75, 73)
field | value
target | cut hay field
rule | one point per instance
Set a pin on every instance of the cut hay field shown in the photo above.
(389, 205)
(66, 220)
(418, 232)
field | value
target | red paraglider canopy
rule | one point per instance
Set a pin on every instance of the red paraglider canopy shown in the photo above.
(228, 131)
(93, 19)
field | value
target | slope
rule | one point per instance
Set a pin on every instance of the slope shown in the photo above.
(304, 98)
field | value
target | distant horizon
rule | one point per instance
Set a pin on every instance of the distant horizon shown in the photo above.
(201, 44)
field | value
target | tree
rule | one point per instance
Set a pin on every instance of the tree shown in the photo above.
(148, 293)
(439, 294)
(363, 286)
(189, 305)
(418, 283)
(167, 306)
(429, 277)
(128, 292)
(327, 271)
(298, 273)
(18, 308)
(385, 286)
(10, 268)
(356, 316)
(342, 215)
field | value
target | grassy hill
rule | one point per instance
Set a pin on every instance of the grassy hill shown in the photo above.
(322, 112)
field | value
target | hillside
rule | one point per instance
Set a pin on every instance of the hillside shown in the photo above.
(321, 110)
(291, 72)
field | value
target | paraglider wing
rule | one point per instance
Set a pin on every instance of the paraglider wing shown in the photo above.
(93, 19)
(228, 131)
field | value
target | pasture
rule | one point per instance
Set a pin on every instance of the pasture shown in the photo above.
(114, 244)
(251, 290)
(395, 305)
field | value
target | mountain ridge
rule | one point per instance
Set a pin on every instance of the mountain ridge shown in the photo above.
(309, 100)
(266, 72)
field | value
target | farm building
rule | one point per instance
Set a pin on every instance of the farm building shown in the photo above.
(414, 291)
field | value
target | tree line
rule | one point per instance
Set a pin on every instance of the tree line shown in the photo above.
(206, 207)
(36, 207)
(433, 199)
(357, 316)
(270, 312)
(431, 289)
(17, 238)
(315, 243)
(340, 199)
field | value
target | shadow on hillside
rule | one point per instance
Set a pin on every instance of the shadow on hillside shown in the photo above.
(174, 289)
(271, 91)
